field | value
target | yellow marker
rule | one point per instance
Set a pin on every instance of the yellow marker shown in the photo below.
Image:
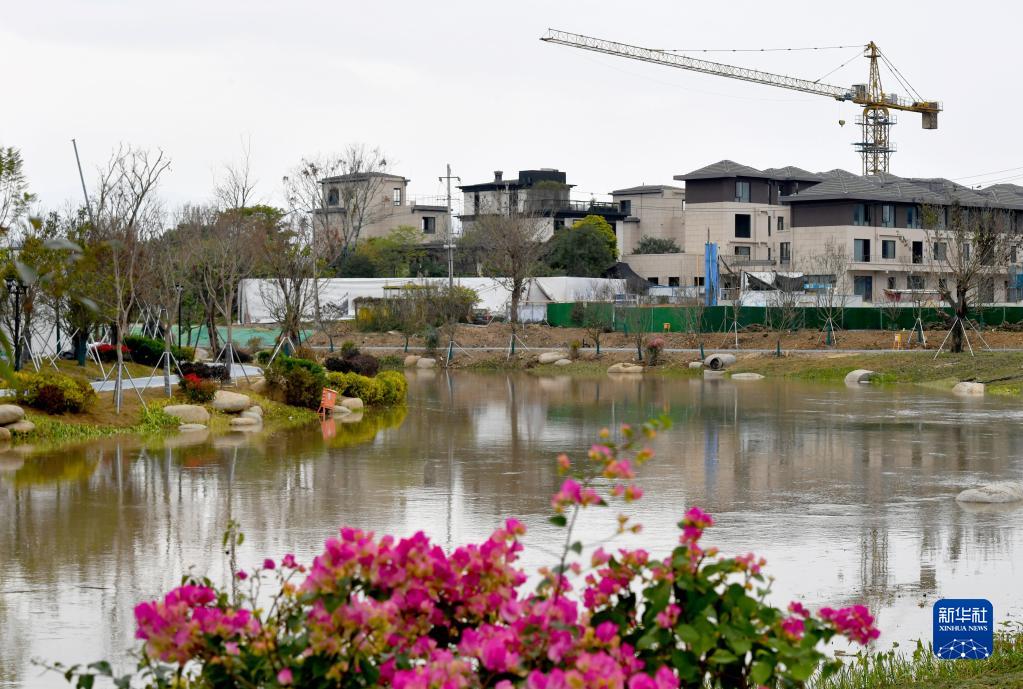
(898, 340)
(667, 327)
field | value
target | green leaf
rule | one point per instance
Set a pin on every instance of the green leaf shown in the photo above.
(760, 672)
(648, 640)
(688, 634)
(558, 520)
(576, 547)
(86, 681)
(722, 656)
(802, 671)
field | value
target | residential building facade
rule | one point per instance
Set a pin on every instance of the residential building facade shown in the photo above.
(651, 210)
(388, 206)
(544, 193)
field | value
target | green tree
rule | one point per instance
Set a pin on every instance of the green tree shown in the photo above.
(598, 223)
(15, 197)
(581, 251)
(399, 254)
(656, 245)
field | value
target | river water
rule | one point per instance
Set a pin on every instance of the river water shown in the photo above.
(848, 493)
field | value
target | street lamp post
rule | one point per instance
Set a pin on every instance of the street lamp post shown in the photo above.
(17, 288)
(179, 289)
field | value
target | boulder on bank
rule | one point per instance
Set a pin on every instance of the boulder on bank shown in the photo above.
(22, 427)
(244, 422)
(9, 413)
(191, 427)
(695, 364)
(998, 492)
(258, 385)
(352, 403)
(187, 413)
(969, 389)
(719, 362)
(860, 375)
(231, 402)
(625, 367)
(411, 360)
(551, 357)
(4, 434)
(563, 362)
(424, 362)
(747, 376)
(708, 374)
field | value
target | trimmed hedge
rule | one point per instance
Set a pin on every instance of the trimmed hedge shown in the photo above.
(386, 389)
(218, 372)
(53, 393)
(300, 380)
(147, 350)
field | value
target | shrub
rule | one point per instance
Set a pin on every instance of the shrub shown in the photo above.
(198, 390)
(148, 351)
(217, 372)
(369, 390)
(108, 352)
(573, 349)
(363, 364)
(654, 346)
(263, 357)
(431, 339)
(53, 393)
(392, 362)
(395, 387)
(242, 356)
(378, 611)
(304, 352)
(289, 363)
(301, 381)
(348, 348)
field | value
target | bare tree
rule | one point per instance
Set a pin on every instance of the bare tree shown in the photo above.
(969, 247)
(783, 311)
(355, 198)
(15, 197)
(510, 249)
(127, 214)
(828, 273)
(691, 310)
(291, 286)
(236, 186)
(598, 312)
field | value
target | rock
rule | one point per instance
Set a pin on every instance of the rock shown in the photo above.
(625, 367)
(426, 363)
(258, 385)
(4, 434)
(713, 375)
(695, 364)
(1000, 491)
(255, 409)
(968, 389)
(747, 376)
(9, 413)
(551, 357)
(201, 354)
(718, 362)
(860, 375)
(411, 360)
(355, 417)
(352, 403)
(244, 421)
(563, 362)
(340, 411)
(187, 413)
(231, 402)
(249, 414)
(191, 427)
(23, 426)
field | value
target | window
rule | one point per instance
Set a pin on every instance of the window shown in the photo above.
(861, 214)
(769, 226)
(888, 249)
(966, 251)
(914, 282)
(654, 281)
(742, 225)
(742, 251)
(940, 249)
(913, 217)
(781, 224)
(861, 250)
(887, 215)
(476, 202)
(625, 206)
(741, 192)
(891, 283)
(918, 252)
(396, 196)
(768, 253)
(784, 252)
(863, 287)
(697, 282)
(429, 225)
(673, 281)
(333, 197)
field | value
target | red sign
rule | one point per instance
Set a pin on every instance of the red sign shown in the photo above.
(327, 401)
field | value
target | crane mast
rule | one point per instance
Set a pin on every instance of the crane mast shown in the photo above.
(875, 120)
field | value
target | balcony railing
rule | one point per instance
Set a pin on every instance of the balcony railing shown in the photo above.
(568, 205)
(747, 261)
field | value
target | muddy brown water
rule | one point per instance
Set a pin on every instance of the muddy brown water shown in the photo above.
(848, 493)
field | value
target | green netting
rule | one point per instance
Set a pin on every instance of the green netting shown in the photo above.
(719, 318)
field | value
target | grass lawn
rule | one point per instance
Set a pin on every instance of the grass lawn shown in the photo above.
(921, 670)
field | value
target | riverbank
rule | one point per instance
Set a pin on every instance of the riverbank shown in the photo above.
(921, 670)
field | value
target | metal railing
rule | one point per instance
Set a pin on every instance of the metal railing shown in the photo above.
(563, 205)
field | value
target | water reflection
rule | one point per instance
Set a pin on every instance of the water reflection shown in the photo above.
(847, 492)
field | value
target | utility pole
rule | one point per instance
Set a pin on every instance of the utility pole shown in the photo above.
(450, 239)
(81, 177)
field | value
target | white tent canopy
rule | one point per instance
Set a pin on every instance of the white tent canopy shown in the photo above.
(494, 294)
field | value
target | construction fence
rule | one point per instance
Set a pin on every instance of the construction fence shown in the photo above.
(722, 318)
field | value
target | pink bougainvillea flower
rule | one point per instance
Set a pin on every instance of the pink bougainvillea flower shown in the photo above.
(284, 677)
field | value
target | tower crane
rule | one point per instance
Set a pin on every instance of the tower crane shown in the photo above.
(876, 118)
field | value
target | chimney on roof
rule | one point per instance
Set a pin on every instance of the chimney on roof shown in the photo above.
(498, 175)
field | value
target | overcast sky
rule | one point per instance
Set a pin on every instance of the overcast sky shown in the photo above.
(470, 83)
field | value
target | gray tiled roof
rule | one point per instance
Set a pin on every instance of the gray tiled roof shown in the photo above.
(723, 169)
(882, 187)
(791, 172)
(1010, 195)
(837, 172)
(647, 189)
